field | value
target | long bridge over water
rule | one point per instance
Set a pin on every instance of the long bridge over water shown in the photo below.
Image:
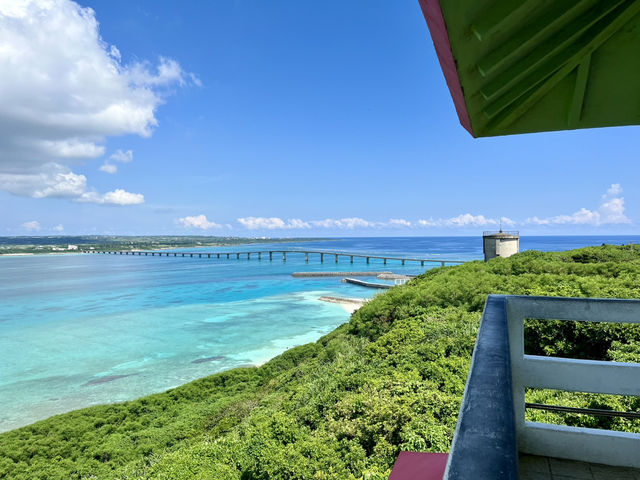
(270, 253)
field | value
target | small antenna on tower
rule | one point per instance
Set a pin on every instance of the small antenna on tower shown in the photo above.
(500, 225)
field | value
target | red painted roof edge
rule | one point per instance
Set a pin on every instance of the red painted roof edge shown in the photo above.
(419, 465)
(438, 28)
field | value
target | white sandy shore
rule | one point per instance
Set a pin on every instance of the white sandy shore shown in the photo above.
(350, 305)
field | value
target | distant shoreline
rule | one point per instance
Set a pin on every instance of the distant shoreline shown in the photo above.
(144, 244)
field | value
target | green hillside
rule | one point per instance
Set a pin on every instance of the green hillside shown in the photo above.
(343, 407)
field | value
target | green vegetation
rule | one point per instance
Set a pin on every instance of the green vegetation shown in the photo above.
(109, 243)
(344, 407)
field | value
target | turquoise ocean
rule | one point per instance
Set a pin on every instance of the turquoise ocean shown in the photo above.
(79, 330)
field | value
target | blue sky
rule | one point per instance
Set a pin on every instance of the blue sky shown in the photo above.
(280, 118)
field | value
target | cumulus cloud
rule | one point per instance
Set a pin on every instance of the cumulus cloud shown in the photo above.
(346, 223)
(428, 223)
(32, 226)
(399, 222)
(59, 228)
(118, 156)
(122, 157)
(56, 181)
(116, 197)
(610, 211)
(51, 180)
(465, 220)
(351, 223)
(198, 221)
(63, 90)
(272, 223)
(109, 168)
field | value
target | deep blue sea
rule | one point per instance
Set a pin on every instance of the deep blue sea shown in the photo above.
(80, 330)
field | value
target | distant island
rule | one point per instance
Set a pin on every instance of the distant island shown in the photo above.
(69, 244)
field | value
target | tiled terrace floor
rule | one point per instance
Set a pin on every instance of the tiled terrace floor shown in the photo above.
(544, 468)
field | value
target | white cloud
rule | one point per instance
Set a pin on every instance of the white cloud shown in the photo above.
(198, 221)
(297, 223)
(347, 223)
(272, 223)
(116, 197)
(611, 211)
(537, 221)
(399, 222)
(32, 226)
(351, 223)
(59, 228)
(122, 157)
(63, 90)
(109, 168)
(467, 219)
(464, 220)
(51, 180)
(614, 190)
(429, 223)
(56, 181)
(121, 197)
(254, 223)
(118, 156)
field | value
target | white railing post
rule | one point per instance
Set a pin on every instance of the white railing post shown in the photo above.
(585, 444)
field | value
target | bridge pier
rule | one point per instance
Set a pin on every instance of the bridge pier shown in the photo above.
(259, 255)
(199, 255)
(248, 256)
(351, 259)
(270, 256)
(322, 258)
(384, 261)
(336, 258)
(284, 256)
(175, 254)
(442, 264)
(191, 254)
(227, 256)
(422, 263)
(402, 262)
(306, 256)
(218, 255)
(367, 260)
(208, 255)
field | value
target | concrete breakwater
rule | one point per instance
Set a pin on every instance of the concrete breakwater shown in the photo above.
(349, 304)
(393, 276)
(362, 283)
(340, 274)
(357, 301)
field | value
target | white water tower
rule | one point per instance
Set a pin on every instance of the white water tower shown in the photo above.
(500, 244)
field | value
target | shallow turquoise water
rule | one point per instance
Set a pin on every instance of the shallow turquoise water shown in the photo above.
(80, 330)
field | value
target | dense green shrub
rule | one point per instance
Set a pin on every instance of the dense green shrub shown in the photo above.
(343, 407)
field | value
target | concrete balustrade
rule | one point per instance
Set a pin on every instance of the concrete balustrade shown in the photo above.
(492, 430)
(531, 371)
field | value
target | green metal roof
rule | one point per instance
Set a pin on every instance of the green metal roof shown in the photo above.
(521, 66)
